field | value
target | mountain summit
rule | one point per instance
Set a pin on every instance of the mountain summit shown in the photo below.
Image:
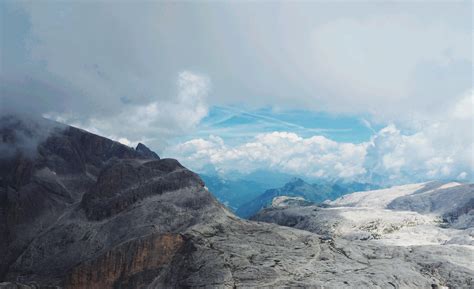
(146, 152)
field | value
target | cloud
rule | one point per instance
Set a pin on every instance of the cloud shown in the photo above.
(441, 150)
(99, 66)
(153, 122)
(280, 151)
(391, 65)
(143, 72)
(388, 60)
(22, 134)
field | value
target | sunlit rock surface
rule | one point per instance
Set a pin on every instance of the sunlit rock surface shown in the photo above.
(431, 221)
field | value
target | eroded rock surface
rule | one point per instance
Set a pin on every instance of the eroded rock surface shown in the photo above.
(77, 197)
(133, 264)
(380, 223)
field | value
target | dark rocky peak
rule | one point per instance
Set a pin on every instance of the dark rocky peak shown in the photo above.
(124, 182)
(73, 150)
(50, 144)
(96, 148)
(55, 196)
(294, 183)
(144, 151)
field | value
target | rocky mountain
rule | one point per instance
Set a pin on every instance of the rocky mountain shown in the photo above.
(285, 201)
(296, 187)
(427, 217)
(234, 189)
(75, 207)
(81, 211)
(146, 152)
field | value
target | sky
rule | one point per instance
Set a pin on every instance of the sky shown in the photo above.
(376, 91)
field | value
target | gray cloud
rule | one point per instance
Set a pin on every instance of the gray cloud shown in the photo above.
(97, 63)
(21, 134)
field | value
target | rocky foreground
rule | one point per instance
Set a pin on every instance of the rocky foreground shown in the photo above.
(433, 221)
(80, 211)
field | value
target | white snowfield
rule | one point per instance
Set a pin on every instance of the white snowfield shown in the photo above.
(399, 228)
(381, 198)
(367, 215)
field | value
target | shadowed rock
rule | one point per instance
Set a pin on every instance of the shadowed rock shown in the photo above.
(52, 198)
(146, 152)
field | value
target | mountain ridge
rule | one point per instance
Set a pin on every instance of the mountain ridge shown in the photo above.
(297, 187)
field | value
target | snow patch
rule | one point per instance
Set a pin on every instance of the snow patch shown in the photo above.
(381, 198)
(376, 199)
(282, 201)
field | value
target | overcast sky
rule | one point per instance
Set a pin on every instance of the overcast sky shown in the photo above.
(353, 90)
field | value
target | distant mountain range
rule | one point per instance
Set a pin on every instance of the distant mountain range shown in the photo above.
(297, 187)
(236, 189)
(233, 193)
(245, 195)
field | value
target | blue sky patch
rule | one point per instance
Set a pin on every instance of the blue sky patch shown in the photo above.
(236, 125)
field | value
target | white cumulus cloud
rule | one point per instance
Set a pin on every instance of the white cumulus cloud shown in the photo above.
(442, 149)
(281, 151)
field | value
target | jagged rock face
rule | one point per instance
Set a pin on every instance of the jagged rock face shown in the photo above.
(146, 152)
(131, 265)
(122, 183)
(53, 197)
(450, 202)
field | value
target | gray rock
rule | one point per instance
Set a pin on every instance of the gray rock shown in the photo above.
(373, 234)
(451, 203)
(146, 152)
